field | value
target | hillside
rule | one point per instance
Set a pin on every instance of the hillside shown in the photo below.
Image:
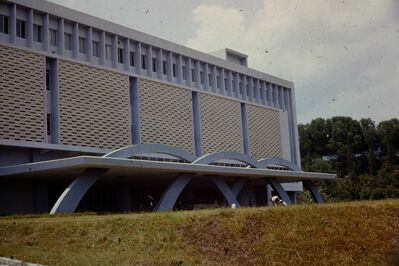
(358, 233)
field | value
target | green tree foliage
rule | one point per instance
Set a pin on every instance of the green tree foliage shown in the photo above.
(365, 156)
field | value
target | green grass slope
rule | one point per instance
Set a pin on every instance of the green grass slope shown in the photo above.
(358, 233)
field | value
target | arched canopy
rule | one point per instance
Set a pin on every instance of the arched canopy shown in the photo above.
(278, 161)
(133, 150)
(214, 157)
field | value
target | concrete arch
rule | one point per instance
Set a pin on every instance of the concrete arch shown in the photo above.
(172, 193)
(278, 161)
(129, 151)
(73, 194)
(213, 157)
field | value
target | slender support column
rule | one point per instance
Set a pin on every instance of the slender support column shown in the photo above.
(126, 54)
(197, 74)
(222, 82)
(171, 194)
(263, 96)
(13, 23)
(197, 123)
(244, 126)
(237, 85)
(60, 36)
(280, 190)
(169, 66)
(115, 51)
(55, 99)
(135, 111)
(244, 88)
(149, 61)
(214, 80)
(73, 194)
(89, 44)
(251, 90)
(229, 83)
(159, 64)
(257, 91)
(189, 77)
(75, 40)
(226, 191)
(102, 47)
(206, 77)
(179, 69)
(314, 191)
(137, 58)
(275, 96)
(29, 28)
(270, 94)
(46, 39)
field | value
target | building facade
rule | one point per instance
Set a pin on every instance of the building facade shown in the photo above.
(72, 84)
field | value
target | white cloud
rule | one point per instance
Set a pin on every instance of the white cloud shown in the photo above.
(342, 55)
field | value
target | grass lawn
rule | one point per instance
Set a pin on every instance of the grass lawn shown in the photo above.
(355, 233)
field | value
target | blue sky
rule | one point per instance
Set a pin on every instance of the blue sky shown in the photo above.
(343, 56)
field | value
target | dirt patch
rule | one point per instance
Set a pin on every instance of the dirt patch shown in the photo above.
(232, 245)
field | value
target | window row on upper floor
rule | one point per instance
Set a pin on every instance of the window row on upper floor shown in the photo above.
(58, 35)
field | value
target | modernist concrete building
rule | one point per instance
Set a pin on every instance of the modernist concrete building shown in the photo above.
(96, 116)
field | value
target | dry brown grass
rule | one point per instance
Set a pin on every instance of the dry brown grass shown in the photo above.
(361, 233)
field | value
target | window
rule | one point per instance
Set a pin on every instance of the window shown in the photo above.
(3, 24)
(210, 80)
(37, 33)
(143, 66)
(193, 75)
(202, 77)
(218, 82)
(82, 45)
(154, 64)
(20, 28)
(108, 52)
(164, 67)
(48, 79)
(174, 70)
(96, 50)
(184, 72)
(48, 124)
(53, 37)
(120, 55)
(68, 41)
(131, 58)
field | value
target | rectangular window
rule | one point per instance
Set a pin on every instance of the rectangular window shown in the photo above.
(193, 75)
(3, 24)
(131, 58)
(154, 65)
(120, 55)
(218, 82)
(143, 63)
(96, 48)
(53, 37)
(82, 45)
(184, 72)
(210, 79)
(174, 70)
(68, 41)
(20, 28)
(164, 67)
(48, 124)
(47, 78)
(202, 77)
(108, 52)
(37, 33)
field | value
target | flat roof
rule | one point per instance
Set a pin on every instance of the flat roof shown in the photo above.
(70, 167)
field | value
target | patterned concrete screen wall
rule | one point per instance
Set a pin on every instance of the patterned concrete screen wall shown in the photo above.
(166, 115)
(94, 106)
(22, 95)
(264, 132)
(220, 124)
